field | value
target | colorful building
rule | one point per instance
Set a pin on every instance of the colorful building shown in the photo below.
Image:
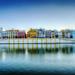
(63, 33)
(54, 34)
(13, 34)
(48, 33)
(41, 33)
(32, 33)
(21, 34)
(37, 33)
(66, 34)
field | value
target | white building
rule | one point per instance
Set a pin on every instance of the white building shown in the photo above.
(59, 34)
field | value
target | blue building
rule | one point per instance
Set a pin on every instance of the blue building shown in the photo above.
(41, 33)
(48, 33)
(4, 34)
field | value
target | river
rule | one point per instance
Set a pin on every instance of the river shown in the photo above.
(37, 58)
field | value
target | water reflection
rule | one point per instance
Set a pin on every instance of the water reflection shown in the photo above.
(67, 50)
(15, 50)
(44, 58)
(33, 49)
(64, 50)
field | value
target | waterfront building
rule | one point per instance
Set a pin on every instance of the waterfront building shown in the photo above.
(73, 33)
(21, 34)
(41, 33)
(1, 30)
(12, 33)
(32, 33)
(68, 34)
(63, 33)
(0, 35)
(54, 34)
(37, 33)
(4, 34)
(59, 34)
(48, 33)
(9, 34)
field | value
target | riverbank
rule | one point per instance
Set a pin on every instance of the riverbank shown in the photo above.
(37, 41)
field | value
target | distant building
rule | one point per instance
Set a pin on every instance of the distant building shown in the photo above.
(12, 33)
(48, 33)
(54, 34)
(32, 33)
(66, 34)
(41, 33)
(59, 34)
(73, 33)
(21, 34)
(37, 33)
(4, 34)
(1, 30)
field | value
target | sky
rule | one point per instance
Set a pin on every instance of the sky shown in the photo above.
(48, 14)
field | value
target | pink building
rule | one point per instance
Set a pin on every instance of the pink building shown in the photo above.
(21, 34)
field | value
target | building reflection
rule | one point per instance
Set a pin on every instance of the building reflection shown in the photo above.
(41, 50)
(36, 51)
(53, 50)
(67, 50)
(15, 50)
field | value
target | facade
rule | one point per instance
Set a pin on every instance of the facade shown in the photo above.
(21, 34)
(48, 33)
(12, 33)
(1, 30)
(59, 34)
(9, 34)
(54, 34)
(0, 34)
(66, 34)
(73, 33)
(4, 34)
(41, 33)
(32, 33)
(37, 33)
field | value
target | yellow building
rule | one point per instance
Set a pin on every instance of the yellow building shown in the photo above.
(32, 33)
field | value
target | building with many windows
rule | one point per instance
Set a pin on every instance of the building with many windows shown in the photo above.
(21, 34)
(12, 33)
(32, 33)
(66, 34)
(48, 33)
(41, 33)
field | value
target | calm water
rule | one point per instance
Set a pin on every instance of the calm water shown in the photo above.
(48, 58)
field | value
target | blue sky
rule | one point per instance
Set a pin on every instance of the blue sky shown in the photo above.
(48, 14)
